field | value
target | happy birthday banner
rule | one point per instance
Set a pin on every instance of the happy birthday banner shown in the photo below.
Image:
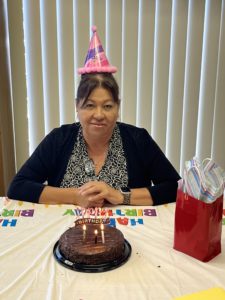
(107, 212)
(112, 217)
(126, 217)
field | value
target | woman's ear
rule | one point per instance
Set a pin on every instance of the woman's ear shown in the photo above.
(119, 116)
(76, 105)
(76, 112)
(119, 112)
(76, 116)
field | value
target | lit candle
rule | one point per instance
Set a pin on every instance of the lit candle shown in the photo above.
(96, 236)
(84, 232)
(103, 233)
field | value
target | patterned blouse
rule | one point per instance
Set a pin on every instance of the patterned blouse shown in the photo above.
(80, 168)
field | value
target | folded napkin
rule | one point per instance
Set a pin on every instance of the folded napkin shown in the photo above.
(210, 294)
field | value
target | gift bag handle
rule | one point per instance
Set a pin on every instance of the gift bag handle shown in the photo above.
(206, 167)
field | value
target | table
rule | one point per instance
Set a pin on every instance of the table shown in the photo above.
(154, 271)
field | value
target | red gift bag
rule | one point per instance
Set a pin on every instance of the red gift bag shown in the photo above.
(198, 227)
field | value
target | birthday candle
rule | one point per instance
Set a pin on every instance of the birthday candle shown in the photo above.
(102, 233)
(84, 232)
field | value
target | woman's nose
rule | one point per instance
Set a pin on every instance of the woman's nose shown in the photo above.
(98, 113)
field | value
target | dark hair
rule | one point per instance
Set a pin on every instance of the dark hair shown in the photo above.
(94, 80)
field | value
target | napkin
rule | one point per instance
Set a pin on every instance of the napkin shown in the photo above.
(216, 293)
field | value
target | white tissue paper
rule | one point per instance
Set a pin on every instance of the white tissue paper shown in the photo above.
(203, 180)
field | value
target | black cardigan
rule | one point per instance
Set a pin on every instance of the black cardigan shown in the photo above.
(146, 163)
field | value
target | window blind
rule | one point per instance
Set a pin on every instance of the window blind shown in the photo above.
(171, 69)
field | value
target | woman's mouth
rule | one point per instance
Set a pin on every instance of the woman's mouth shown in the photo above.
(98, 124)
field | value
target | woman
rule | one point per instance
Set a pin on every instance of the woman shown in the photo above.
(97, 160)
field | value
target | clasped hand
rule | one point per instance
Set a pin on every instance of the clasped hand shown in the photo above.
(94, 194)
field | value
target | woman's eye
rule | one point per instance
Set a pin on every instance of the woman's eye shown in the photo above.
(89, 105)
(108, 106)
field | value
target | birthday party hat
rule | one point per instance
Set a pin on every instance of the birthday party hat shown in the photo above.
(96, 60)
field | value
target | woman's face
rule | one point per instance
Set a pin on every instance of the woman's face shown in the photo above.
(98, 115)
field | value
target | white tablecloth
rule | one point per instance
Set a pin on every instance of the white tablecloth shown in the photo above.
(28, 269)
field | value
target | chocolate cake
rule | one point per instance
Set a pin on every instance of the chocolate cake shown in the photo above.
(88, 248)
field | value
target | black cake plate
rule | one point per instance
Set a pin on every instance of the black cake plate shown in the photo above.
(93, 268)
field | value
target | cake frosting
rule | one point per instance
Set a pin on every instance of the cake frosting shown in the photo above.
(87, 248)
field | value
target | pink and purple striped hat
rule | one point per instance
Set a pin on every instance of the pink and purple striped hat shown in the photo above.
(96, 60)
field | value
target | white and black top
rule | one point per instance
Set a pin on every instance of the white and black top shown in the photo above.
(80, 168)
